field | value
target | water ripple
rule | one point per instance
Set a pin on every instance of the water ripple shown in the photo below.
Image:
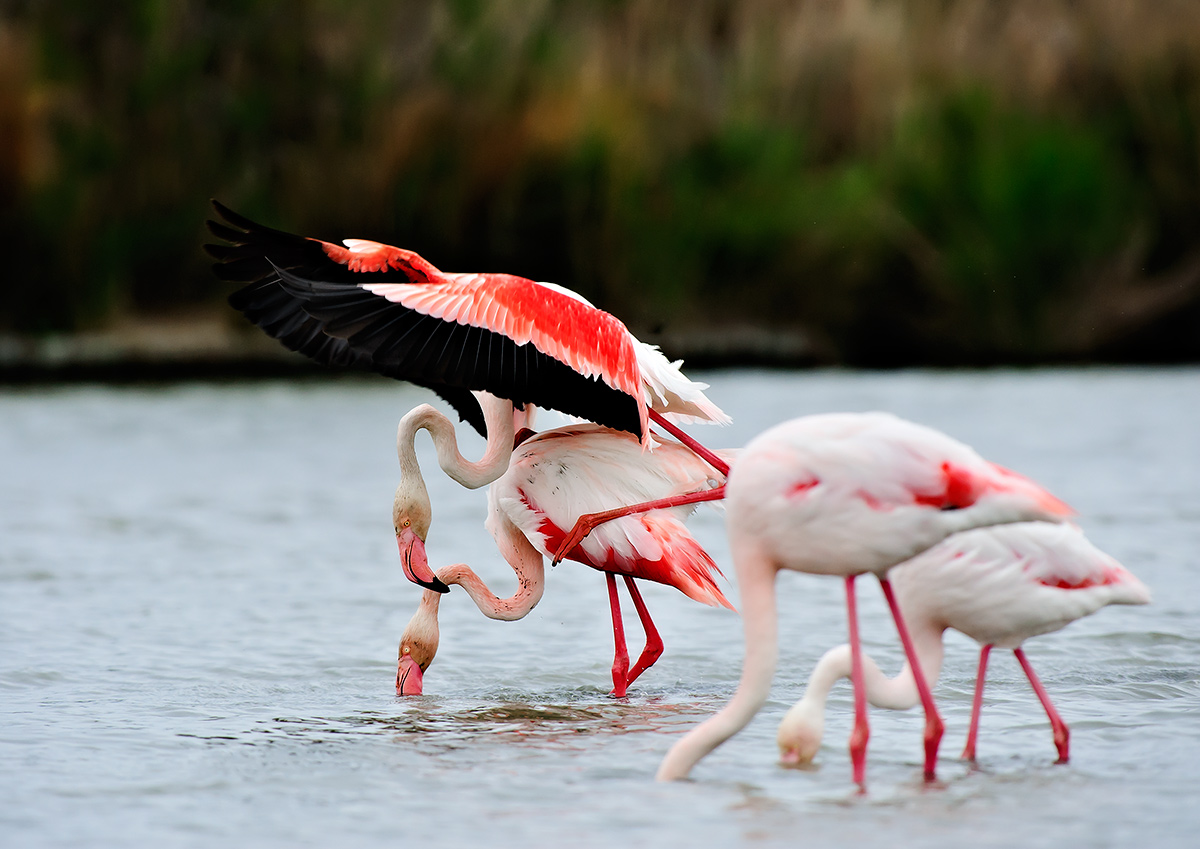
(199, 624)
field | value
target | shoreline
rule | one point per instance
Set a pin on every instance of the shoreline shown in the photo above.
(212, 344)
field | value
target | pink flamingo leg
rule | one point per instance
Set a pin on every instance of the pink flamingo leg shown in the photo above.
(620, 667)
(709, 457)
(861, 731)
(654, 644)
(934, 727)
(977, 705)
(588, 522)
(1062, 734)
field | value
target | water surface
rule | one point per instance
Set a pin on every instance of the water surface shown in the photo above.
(200, 602)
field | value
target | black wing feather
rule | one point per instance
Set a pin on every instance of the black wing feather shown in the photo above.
(316, 306)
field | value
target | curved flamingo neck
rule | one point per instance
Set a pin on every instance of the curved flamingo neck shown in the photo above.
(528, 568)
(422, 630)
(898, 693)
(803, 725)
(530, 585)
(498, 416)
(423, 626)
(756, 579)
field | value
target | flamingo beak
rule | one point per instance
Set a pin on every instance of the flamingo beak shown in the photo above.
(791, 757)
(410, 680)
(414, 562)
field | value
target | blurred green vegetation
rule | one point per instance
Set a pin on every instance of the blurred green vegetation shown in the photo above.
(942, 181)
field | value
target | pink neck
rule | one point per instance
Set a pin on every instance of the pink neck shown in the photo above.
(756, 581)
(530, 574)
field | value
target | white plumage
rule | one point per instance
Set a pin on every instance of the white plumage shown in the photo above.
(998, 585)
(846, 494)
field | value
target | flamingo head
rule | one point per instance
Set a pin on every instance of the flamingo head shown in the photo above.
(799, 735)
(411, 517)
(418, 646)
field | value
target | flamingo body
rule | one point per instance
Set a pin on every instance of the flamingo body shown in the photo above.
(552, 478)
(998, 585)
(1002, 585)
(559, 475)
(846, 494)
(373, 306)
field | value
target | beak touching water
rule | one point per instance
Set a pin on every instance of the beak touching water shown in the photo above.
(414, 562)
(410, 681)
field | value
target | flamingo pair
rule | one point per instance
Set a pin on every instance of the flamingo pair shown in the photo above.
(552, 477)
(847, 494)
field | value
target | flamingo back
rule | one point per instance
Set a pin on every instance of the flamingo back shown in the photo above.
(559, 475)
(1002, 585)
(528, 313)
(846, 493)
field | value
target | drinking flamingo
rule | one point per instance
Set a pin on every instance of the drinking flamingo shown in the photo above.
(553, 477)
(998, 585)
(846, 494)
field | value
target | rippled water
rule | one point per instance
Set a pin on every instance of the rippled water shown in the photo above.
(200, 602)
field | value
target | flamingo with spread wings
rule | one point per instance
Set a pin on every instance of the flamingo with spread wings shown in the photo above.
(372, 306)
(553, 478)
(1000, 586)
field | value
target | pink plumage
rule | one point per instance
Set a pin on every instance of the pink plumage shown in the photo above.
(387, 309)
(559, 475)
(556, 322)
(846, 494)
(998, 585)
(552, 479)
(1005, 584)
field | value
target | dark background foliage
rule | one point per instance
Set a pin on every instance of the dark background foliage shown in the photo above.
(936, 181)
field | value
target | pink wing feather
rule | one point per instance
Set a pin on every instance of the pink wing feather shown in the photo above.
(561, 474)
(557, 322)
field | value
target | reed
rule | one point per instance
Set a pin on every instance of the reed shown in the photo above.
(924, 181)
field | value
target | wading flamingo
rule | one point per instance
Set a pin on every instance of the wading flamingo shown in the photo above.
(846, 494)
(386, 309)
(554, 477)
(998, 585)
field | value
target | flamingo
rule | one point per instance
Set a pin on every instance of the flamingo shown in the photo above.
(846, 494)
(373, 306)
(998, 585)
(552, 478)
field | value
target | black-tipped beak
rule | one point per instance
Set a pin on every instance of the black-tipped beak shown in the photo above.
(415, 564)
(436, 585)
